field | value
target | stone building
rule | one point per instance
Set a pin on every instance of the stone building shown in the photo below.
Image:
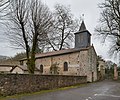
(101, 69)
(15, 69)
(10, 69)
(9, 66)
(80, 60)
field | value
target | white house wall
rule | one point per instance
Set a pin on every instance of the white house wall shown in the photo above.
(18, 70)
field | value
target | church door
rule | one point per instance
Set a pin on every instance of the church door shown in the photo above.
(92, 76)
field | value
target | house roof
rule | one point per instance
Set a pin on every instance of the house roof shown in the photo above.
(60, 52)
(24, 68)
(9, 67)
(3, 65)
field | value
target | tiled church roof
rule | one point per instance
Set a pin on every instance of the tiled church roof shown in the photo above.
(60, 52)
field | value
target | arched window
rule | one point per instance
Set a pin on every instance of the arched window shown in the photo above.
(41, 68)
(65, 66)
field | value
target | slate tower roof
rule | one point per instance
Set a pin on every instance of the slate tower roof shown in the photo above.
(82, 37)
(82, 27)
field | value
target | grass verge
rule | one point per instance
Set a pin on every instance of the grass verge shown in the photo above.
(18, 96)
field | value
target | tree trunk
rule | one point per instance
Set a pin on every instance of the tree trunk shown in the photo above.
(32, 60)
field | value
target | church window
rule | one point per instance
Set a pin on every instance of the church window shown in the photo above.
(41, 68)
(65, 66)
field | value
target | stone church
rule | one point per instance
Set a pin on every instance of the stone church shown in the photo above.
(80, 60)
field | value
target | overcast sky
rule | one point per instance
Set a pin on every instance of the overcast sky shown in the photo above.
(78, 7)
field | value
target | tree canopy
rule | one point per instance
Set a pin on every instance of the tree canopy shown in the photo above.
(33, 27)
(109, 24)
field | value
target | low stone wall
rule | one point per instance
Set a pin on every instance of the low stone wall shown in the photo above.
(11, 84)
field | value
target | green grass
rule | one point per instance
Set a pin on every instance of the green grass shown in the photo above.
(17, 96)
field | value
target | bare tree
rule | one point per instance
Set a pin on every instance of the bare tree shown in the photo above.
(18, 20)
(4, 4)
(30, 21)
(64, 28)
(109, 26)
(40, 25)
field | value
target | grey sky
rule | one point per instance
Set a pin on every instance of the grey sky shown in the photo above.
(78, 7)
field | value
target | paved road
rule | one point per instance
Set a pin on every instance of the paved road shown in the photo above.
(105, 90)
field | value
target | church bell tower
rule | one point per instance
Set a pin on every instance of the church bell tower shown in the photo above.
(82, 37)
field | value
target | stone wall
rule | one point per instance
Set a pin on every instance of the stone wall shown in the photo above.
(72, 59)
(11, 84)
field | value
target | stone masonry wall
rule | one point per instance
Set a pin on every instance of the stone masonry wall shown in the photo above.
(72, 59)
(11, 84)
